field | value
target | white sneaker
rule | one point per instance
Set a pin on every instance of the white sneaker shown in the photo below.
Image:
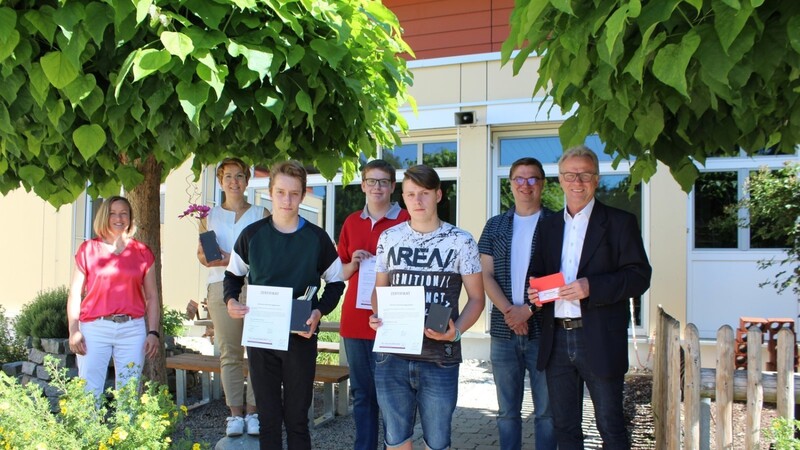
(235, 426)
(253, 427)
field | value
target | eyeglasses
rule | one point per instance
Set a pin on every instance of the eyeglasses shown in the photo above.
(585, 177)
(522, 180)
(382, 182)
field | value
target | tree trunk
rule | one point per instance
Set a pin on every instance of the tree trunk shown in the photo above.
(146, 202)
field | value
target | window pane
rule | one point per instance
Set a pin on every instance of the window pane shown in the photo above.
(312, 209)
(440, 154)
(552, 195)
(401, 157)
(547, 149)
(348, 200)
(447, 207)
(764, 231)
(714, 227)
(613, 191)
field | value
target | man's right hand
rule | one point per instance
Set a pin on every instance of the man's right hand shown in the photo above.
(237, 310)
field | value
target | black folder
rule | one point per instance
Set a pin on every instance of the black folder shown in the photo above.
(208, 240)
(438, 317)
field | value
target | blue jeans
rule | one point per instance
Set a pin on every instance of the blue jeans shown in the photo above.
(361, 360)
(404, 386)
(510, 359)
(567, 371)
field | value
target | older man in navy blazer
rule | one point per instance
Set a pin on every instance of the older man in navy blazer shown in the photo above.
(584, 337)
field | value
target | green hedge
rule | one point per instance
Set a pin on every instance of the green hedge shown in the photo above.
(45, 316)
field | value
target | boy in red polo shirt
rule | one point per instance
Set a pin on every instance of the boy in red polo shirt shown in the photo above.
(357, 242)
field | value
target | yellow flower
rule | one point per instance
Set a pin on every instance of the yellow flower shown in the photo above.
(120, 434)
(184, 409)
(102, 446)
(196, 446)
(167, 439)
(145, 399)
(4, 406)
(145, 425)
(41, 446)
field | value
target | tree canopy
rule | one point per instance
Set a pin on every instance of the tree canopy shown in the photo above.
(675, 81)
(90, 89)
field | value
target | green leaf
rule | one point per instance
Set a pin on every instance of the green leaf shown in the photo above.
(148, 61)
(129, 176)
(192, 97)
(330, 51)
(304, 103)
(55, 111)
(671, 62)
(177, 44)
(8, 21)
(89, 139)
(792, 30)
(100, 19)
(56, 162)
(729, 21)
(613, 30)
(80, 88)
(649, 124)
(561, 5)
(212, 74)
(245, 4)
(8, 46)
(124, 70)
(39, 86)
(5, 120)
(58, 69)
(142, 9)
(211, 13)
(42, 21)
(68, 15)
(31, 175)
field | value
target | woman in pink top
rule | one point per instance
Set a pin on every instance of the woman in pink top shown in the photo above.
(113, 291)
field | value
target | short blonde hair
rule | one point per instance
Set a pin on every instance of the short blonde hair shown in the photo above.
(101, 227)
(233, 162)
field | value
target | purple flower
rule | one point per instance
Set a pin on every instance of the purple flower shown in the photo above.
(196, 211)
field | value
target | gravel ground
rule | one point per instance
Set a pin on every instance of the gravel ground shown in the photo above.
(207, 422)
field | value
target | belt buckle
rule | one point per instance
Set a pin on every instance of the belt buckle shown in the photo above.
(119, 318)
(567, 324)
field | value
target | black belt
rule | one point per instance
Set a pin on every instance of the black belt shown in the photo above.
(116, 318)
(569, 324)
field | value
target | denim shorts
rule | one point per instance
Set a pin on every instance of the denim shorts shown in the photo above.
(405, 386)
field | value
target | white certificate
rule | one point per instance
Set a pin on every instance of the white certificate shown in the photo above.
(366, 283)
(266, 325)
(402, 312)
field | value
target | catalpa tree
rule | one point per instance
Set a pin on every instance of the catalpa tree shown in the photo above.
(117, 92)
(675, 81)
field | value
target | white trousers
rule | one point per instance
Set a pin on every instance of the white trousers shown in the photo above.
(104, 340)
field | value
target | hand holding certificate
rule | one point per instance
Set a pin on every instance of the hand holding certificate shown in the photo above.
(402, 314)
(266, 325)
(548, 286)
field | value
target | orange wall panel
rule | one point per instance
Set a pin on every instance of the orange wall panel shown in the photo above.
(441, 28)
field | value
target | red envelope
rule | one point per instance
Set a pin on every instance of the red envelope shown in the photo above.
(548, 286)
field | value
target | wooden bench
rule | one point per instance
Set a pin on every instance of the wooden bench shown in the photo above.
(208, 364)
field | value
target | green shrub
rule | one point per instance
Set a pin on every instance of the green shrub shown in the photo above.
(172, 319)
(11, 347)
(130, 421)
(45, 316)
(327, 336)
(781, 434)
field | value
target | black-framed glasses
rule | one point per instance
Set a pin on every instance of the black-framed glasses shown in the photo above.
(382, 182)
(522, 180)
(585, 177)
